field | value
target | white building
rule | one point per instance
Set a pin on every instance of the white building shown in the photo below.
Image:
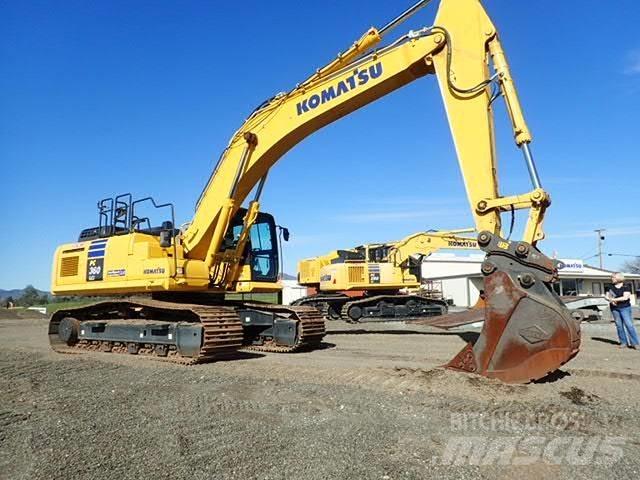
(292, 291)
(462, 280)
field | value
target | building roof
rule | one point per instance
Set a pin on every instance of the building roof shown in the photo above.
(451, 265)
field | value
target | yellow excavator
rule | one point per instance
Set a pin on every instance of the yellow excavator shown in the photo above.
(371, 281)
(183, 273)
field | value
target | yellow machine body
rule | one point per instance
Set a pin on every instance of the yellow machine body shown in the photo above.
(137, 263)
(364, 276)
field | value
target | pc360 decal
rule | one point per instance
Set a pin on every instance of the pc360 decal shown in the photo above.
(95, 260)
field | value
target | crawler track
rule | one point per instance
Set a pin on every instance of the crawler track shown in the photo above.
(222, 330)
(329, 306)
(311, 327)
(397, 306)
(374, 307)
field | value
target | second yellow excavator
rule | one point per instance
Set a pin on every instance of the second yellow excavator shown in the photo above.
(371, 281)
(183, 274)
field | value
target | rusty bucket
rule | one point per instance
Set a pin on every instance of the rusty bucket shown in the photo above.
(528, 332)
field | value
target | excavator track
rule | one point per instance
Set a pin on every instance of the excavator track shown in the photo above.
(392, 307)
(310, 327)
(337, 307)
(325, 304)
(222, 332)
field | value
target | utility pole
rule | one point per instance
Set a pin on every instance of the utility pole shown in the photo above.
(600, 233)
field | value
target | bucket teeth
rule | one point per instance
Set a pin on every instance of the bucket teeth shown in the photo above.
(465, 360)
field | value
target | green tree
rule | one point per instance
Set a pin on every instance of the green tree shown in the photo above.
(30, 297)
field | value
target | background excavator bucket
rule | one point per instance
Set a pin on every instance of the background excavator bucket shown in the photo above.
(480, 303)
(458, 319)
(527, 332)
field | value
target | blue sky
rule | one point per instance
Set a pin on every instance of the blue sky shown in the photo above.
(98, 98)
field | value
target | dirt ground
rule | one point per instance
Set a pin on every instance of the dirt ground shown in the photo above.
(372, 404)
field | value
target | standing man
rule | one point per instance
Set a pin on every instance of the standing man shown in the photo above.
(619, 296)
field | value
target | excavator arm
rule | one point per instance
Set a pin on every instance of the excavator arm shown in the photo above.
(527, 331)
(462, 49)
(420, 245)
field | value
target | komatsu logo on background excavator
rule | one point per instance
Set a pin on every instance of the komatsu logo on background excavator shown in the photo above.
(462, 243)
(359, 78)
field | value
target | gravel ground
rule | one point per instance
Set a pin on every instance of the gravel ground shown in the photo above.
(372, 404)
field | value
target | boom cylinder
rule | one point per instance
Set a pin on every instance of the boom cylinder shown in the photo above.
(403, 16)
(260, 187)
(252, 141)
(531, 166)
(521, 132)
(520, 129)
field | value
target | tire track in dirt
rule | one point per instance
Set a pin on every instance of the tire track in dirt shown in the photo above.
(604, 374)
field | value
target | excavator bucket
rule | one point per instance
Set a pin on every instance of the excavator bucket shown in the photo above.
(527, 332)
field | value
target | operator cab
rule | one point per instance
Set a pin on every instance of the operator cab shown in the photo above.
(379, 253)
(346, 256)
(261, 252)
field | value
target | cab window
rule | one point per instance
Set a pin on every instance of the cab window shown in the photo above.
(264, 253)
(262, 250)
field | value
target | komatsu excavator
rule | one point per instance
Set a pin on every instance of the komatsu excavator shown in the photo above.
(185, 272)
(366, 281)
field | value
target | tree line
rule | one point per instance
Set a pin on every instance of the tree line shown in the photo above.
(31, 297)
(631, 266)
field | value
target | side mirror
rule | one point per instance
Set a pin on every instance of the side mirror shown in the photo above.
(285, 234)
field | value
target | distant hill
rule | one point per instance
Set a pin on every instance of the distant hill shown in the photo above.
(18, 292)
(287, 276)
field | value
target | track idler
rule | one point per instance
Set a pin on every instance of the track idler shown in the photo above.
(527, 332)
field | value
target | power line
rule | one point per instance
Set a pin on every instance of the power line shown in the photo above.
(585, 254)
